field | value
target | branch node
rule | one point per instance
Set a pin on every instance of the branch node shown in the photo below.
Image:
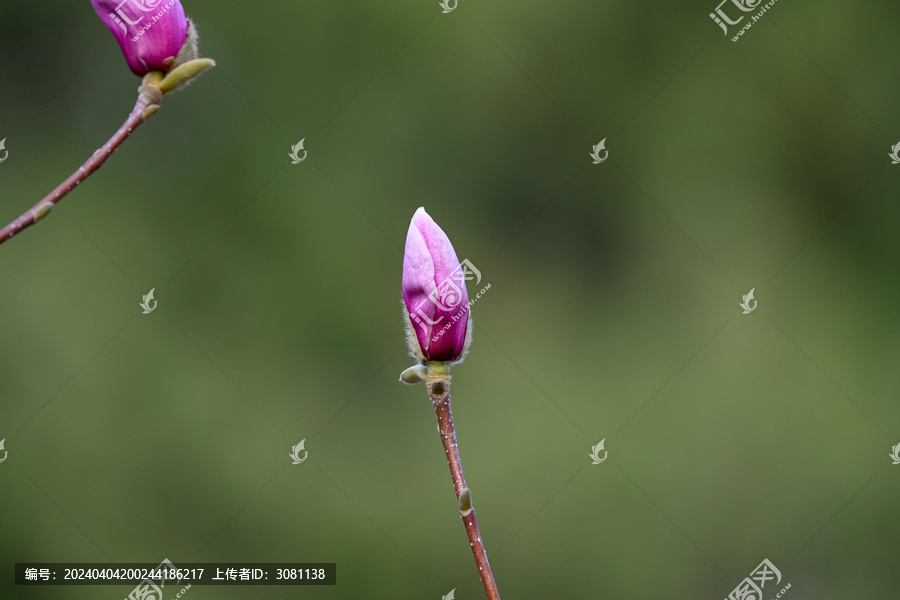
(465, 502)
(41, 210)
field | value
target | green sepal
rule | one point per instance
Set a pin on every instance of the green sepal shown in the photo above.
(185, 73)
(413, 375)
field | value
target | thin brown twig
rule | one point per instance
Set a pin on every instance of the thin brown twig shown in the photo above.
(439, 392)
(146, 105)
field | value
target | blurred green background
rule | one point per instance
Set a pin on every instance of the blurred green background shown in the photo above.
(613, 310)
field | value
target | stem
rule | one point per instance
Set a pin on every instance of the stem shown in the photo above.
(147, 104)
(438, 383)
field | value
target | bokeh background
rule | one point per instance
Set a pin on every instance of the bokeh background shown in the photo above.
(613, 312)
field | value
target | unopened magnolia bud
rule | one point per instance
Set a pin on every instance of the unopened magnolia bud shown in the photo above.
(150, 33)
(413, 375)
(434, 291)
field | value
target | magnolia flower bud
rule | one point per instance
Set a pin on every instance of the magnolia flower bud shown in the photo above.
(434, 291)
(150, 32)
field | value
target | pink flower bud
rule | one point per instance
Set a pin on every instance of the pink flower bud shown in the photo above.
(150, 32)
(434, 291)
